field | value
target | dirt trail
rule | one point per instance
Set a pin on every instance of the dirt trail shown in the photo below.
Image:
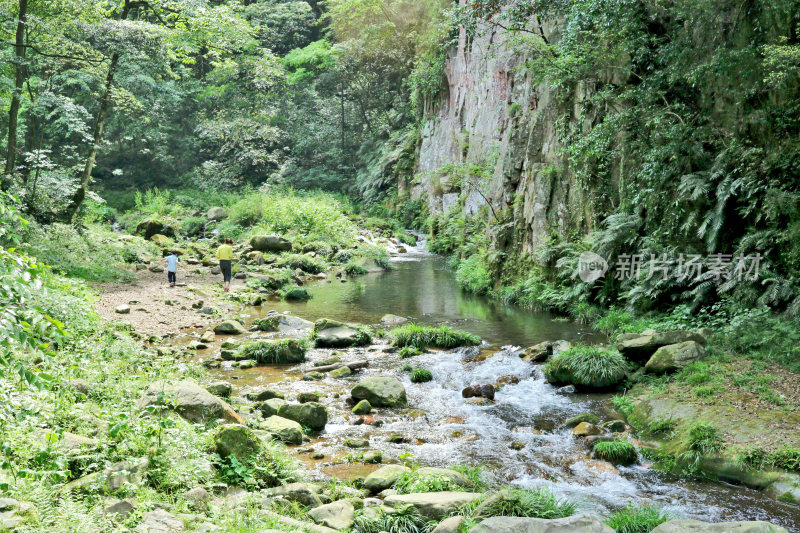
(157, 308)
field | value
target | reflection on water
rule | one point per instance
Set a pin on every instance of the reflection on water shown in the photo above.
(426, 291)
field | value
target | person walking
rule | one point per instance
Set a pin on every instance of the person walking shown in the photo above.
(172, 267)
(225, 257)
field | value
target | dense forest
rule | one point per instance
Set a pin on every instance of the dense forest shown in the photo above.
(402, 266)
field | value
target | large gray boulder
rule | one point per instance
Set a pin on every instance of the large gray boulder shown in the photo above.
(155, 226)
(433, 505)
(270, 243)
(230, 327)
(696, 526)
(333, 334)
(675, 356)
(450, 525)
(336, 515)
(271, 407)
(640, 346)
(381, 391)
(384, 477)
(581, 523)
(238, 440)
(190, 400)
(216, 213)
(160, 521)
(304, 493)
(312, 415)
(283, 429)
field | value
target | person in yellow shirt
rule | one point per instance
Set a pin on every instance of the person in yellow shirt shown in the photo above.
(225, 257)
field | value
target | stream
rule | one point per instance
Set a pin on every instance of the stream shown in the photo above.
(519, 437)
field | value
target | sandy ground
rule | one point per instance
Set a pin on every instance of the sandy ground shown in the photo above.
(158, 309)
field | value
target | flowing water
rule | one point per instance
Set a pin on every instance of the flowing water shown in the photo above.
(519, 436)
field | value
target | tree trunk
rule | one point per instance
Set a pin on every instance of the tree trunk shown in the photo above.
(16, 98)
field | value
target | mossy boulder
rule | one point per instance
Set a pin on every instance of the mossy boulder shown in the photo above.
(641, 346)
(312, 415)
(230, 327)
(270, 407)
(583, 417)
(587, 367)
(270, 243)
(381, 391)
(237, 440)
(155, 225)
(384, 477)
(297, 294)
(362, 408)
(283, 429)
(675, 356)
(334, 334)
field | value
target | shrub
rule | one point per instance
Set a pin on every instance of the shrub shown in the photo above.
(617, 451)
(407, 368)
(539, 503)
(296, 294)
(422, 337)
(402, 520)
(408, 351)
(473, 275)
(421, 375)
(305, 262)
(623, 404)
(275, 352)
(412, 482)
(269, 323)
(587, 366)
(352, 268)
(635, 519)
(193, 226)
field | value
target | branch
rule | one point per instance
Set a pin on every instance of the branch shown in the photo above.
(57, 56)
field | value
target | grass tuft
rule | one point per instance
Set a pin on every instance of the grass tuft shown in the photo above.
(421, 375)
(635, 519)
(617, 451)
(587, 366)
(281, 352)
(422, 337)
(538, 503)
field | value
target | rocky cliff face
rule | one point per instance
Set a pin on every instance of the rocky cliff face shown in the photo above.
(492, 115)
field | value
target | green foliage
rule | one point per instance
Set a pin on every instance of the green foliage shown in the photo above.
(587, 366)
(477, 475)
(305, 262)
(295, 294)
(407, 368)
(617, 451)
(421, 375)
(473, 275)
(422, 337)
(787, 459)
(274, 352)
(623, 403)
(412, 482)
(403, 520)
(409, 351)
(269, 323)
(636, 519)
(538, 503)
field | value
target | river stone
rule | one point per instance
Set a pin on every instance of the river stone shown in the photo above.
(584, 429)
(238, 440)
(191, 401)
(786, 488)
(581, 523)
(455, 477)
(230, 327)
(120, 509)
(152, 226)
(433, 505)
(583, 417)
(123, 309)
(270, 407)
(216, 213)
(312, 396)
(222, 389)
(283, 429)
(362, 408)
(304, 493)
(334, 334)
(384, 477)
(356, 443)
(393, 320)
(640, 346)
(381, 391)
(340, 372)
(538, 353)
(449, 525)
(312, 415)
(270, 243)
(160, 521)
(337, 515)
(675, 356)
(263, 395)
(696, 526)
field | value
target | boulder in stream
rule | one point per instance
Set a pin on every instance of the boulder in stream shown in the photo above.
(580, 523)
(312, 415)
(384, 477)
(336, 515)
(433, 505)
(334, 334)
(230, 327)
(283, 429)
(696, 526)
(381, 391)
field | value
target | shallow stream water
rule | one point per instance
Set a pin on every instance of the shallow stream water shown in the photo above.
(444, 429)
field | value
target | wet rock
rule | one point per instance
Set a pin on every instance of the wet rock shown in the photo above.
(342, 371)
(381, 391)
(313, 376)
(356, 443)
(263, 395)
(270, 407)
(569, 389)
(641, 346)
(160, 521)
(585, 429)
(582, 523)
(283, 429)
(362, 408)
(674, 357)
(198, 497)
(216, 213)
(614, 426)
(538, 353)
(191, 401)
(372, 457)
(297, 295)
(120, 509)
(312, 415)
(333, 334)
(230, 327)
(433, 505)
(397, 438)
(303, 493)
(384, 478)
(479, 391)
(270, 243)
(450, 525)
(222, 389)
(696, 526)
(237, 440)
(583, 417)
(123, 309)
(390, 320)
(786, 488)
(517, 445)
(305, 397)
(336, 515)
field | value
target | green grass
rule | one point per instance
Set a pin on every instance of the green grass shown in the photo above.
(787, 458)
(587, 366)
(538, 503)
(275, 352)
(473, 275)
(412, 482)
(421, 375)
(617, 451)
(296, 294)
(402, 520)
(421, 337)
(623, 404)
(408, 351)
(636, 519)
(305, 262)
(269, 323)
